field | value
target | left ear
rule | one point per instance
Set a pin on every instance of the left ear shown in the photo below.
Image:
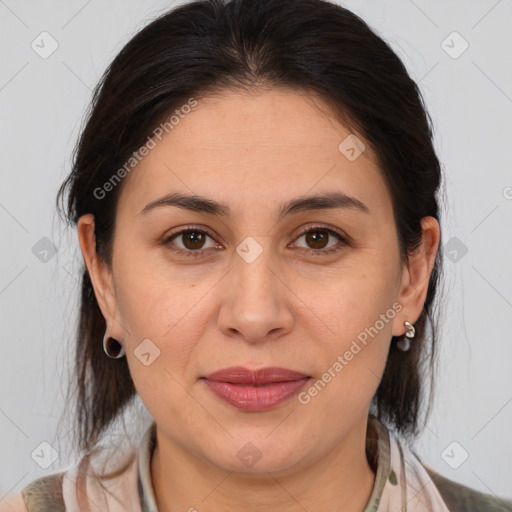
(416, 276)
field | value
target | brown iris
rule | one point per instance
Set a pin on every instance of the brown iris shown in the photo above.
(317, 239)
(196, 238)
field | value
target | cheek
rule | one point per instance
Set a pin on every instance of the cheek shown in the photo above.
(168, 323)
(356, 314)
(359, 342)
(173, 320)
(355, 298)
(351, 361)
(156, 298)
(166, 318)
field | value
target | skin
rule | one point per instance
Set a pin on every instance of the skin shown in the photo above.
(254, 152)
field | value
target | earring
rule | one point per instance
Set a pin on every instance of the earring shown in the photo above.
(404, 344)
(112, 347)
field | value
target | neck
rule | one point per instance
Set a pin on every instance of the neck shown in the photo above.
(340, 481)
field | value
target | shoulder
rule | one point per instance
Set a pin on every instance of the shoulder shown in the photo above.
(461, 498)
(102, 477)
(40, 495)
(13, 503)
(45, 493)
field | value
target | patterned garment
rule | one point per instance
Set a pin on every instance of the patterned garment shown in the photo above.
(403, 483)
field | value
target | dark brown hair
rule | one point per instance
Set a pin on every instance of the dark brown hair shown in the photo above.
(212, 45)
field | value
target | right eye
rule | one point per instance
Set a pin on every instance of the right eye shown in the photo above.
(192, 242)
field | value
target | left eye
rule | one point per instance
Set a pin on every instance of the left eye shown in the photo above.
(317, 239)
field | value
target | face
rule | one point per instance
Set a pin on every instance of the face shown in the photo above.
(317, 290)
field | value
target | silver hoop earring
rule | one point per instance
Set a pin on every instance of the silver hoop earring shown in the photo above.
(404, 344)
(112, 347)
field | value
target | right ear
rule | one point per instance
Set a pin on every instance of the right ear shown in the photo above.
(100, 274)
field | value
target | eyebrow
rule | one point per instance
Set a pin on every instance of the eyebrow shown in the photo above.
(200, 204)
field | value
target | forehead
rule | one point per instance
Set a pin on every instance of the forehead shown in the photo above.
(257, 148)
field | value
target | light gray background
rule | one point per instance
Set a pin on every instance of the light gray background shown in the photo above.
(42, 102)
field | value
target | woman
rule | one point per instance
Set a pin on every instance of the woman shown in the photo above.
(255, 199)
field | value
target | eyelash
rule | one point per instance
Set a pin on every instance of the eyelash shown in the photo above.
(312, 252)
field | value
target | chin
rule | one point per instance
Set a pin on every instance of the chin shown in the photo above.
(257, 457)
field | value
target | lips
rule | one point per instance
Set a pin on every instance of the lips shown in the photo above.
(255, 390)
(241, 375)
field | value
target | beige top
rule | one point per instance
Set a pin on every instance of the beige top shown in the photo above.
(402, 484)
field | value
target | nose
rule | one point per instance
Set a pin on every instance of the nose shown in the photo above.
(256, 301)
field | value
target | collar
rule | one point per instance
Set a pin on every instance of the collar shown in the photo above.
(145, 486)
